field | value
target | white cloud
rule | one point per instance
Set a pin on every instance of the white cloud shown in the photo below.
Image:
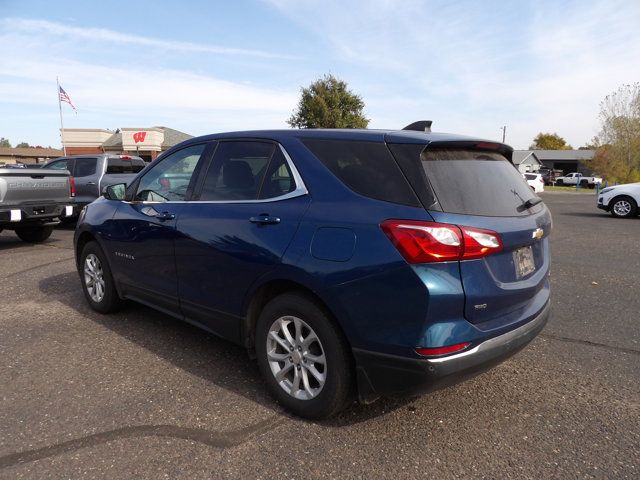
(114, 94)
(472, 67)
(103, 35)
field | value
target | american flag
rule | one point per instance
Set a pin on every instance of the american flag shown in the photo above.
(65, 98)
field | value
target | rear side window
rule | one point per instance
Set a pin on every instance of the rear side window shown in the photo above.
(85, 167)
(124, 165)
(367, 168)
(474, 182)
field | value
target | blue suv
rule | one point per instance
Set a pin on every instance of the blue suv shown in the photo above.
(349, 262)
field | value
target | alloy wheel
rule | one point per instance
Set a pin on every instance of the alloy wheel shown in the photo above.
(622, 208)
(94, 277)
(296, 357)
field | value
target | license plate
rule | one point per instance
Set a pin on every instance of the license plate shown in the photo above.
(523, 261)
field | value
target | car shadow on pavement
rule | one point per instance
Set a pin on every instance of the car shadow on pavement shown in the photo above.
(195, 351)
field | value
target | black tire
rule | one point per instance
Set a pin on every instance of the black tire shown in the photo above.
(584, 184)
(338, 386)
(34, 234)
(559, 182)
(630, 207)
(110, 301)
(69, 220)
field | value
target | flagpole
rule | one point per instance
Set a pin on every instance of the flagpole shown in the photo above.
(64, 149)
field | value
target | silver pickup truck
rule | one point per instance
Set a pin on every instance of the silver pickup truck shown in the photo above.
(92, 173)
(32, 200)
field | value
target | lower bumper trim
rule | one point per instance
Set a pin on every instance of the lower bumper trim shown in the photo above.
(391, 374)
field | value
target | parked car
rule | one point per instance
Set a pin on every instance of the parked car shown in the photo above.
(549, 175)
(577, 178)
(376, 262)
(92, 173)
(31, 201)
(621, 200)
(534, 180)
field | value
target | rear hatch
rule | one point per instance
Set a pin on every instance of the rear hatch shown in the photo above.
(473, 184)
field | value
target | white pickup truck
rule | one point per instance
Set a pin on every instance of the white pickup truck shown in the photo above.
(576, 178)
(32, 200)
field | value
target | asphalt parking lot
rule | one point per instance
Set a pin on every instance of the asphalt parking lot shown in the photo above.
(140, 395)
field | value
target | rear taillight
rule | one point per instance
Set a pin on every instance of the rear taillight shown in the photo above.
(438, 351)
(72, 187)
(125, 157)
(428, 242)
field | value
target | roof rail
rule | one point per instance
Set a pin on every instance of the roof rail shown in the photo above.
(420, 126)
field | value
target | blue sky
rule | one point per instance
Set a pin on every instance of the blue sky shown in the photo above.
(205, 67)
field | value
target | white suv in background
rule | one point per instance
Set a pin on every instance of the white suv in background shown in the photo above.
(535, 181)
(621, 200)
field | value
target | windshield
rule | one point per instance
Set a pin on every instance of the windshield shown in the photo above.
(474, 182)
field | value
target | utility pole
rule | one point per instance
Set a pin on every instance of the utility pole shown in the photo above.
(504, 132)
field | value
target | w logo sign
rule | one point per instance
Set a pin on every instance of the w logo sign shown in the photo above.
(139, 137)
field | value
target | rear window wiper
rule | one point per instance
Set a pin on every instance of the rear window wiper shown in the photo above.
(532, 202)
(526, 204)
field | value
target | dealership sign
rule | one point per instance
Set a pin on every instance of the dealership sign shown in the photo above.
(139, 137)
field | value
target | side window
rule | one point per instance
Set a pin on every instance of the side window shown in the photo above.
(278, 179)
(237, 171)
(59, 165)
(84, 167)
(169, 179)
(367, 168)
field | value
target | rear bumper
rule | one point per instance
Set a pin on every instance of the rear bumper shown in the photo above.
(32, 214)
(382, 374)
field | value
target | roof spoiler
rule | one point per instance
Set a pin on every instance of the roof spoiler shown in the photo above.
(420, 126)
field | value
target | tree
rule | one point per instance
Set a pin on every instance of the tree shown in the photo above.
(618, 154)
(328, 103)
(23, 145)
(549, 141)
(4, 142)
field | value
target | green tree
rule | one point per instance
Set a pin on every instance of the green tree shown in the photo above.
(23, 145)
(328, 103)
(618, 154)
(549, 141)
(4, 142)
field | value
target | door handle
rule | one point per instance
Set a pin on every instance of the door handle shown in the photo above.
(264, 219)
(91, 183)
(165, 216)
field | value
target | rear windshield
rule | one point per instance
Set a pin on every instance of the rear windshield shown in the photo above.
(474, 182)
(530, 176)
(367, 168)
(123, 165)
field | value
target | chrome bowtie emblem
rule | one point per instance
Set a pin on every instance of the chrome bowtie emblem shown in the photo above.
(537, 233)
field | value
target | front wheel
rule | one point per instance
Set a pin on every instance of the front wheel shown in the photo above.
(623, 207)
(34, 234)
(97, 281)
(303, 357)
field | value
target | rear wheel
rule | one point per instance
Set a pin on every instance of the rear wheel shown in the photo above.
(97, 281)
(303, 357)
(623, 207)
(34, 234)
(559, 182)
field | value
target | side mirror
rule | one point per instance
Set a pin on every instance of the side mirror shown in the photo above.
(115, 192)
